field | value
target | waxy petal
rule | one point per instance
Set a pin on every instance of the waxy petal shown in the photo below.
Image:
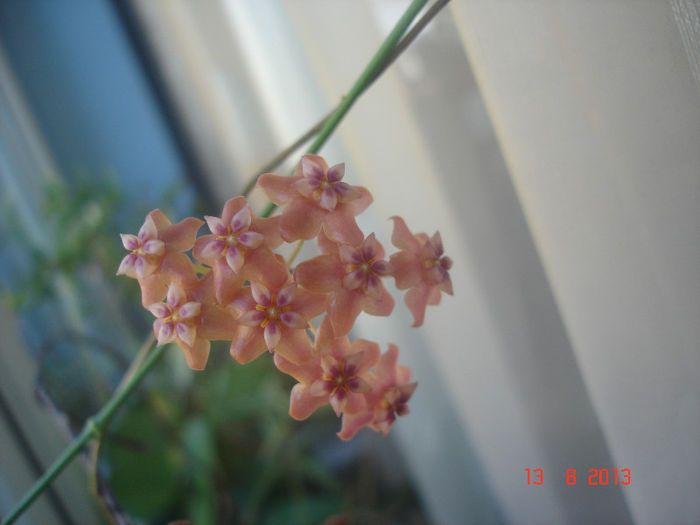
(148, 230)
(251, 239)
(338, 401)
(176, 295)
(406, 269)
(340, 226)
(370, 247)
(126, 267)
(336, 173)
(235, 258)
(216, 225)
(262, 265)
(352, 423)
(197, 354)
(309, 304)
(302, 404)
(354, 279)
(374, 288)
(160, 310)
(129, 241)
(295, 347)
(178, 237)
(260, 293)
(154, 247)
(165, 332)
(286, 295)
(381, 304)
(321, 387)
(241, 220)
(208, 248)
(272, 334)
(190, 310)
(328, 200)
(320, 274)
(300, 219)
(307, 186)
(349, 255)
(247, 344)
(352, 364)
(310, 167)
(381, 267)
(216, 323)
(344, 308)
(402, 238)
(186, 332)
(279, 189)
(293, 320)
(346, 192)
(252, 318)
(417, 300)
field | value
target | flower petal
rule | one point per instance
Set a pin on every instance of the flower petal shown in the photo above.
(354, 279)
(160, 310)
(272, 334)
(176, 295)
(186, 332)
(308, 304)
(166, 333)
(307, 186)
(197, 354)
(374, 286)
(153, 289)
(323, 273)
(262, 265)
(321, 387)
(329, 199)
(344, 308)
(129, 241)
(340, 226)
(336, 172)
(260, 293)
(208, 248)
(286, 295)
(349, 254)
(148, 230)
(338, 401)
(241, 220)
(216, 323)
(310, 167)
(251, 239)
(252, 318)
(302, 404)
(279, 189)
(293, 320)
(295, 347)
(417, 300)
(402, 238)
(247, 344)
(406, 269)
(346, 192)
(154, 247)
(381, 267)
(352, 423)
(235, 258)
(190, 310)
(307, 371)
(381, 304)
(180, 237)
(216, 225)
(370, 247)
(300, 219)
(352, 364)
(126, 267)
(178, 267)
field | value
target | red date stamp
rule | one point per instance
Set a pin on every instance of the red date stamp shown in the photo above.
(596, 476)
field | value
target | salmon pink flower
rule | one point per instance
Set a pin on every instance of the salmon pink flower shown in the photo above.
(386, 400)
(156, 258)
(336, 373)
(315, 198)
(421, 267)
(240, 248)
(191, 319)
(274, 319)
(352, 276)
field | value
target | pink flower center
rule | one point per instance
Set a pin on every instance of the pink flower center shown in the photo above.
(272, 311)
(340, 377)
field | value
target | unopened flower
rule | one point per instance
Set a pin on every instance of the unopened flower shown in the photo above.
(239, 248)
(421, 267)
(191, 319)
(316, 198)
(156, 257)
(274, 319)
(386, 400)
(352, 276)
(336, 373)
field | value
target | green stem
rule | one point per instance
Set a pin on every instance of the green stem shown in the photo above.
(365, 78)
(93, 427)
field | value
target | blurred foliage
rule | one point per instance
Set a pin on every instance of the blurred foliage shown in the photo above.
(212, 447)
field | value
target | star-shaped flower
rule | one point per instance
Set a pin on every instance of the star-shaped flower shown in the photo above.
(352, 277)
(274, 319)
(386, 399)
(191, 319)
(240, 248)
(156, 258)
(315, 198)
(336, 373)
(421, 267)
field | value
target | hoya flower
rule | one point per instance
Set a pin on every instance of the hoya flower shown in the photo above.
(156, 257)
(336, 373)
(421, 267)
(315, 198)
(274, 319)
(352, 276)
(386, 400)
(239, 248)
(191, 319)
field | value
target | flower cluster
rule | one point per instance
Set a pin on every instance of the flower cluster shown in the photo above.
(245, 293)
